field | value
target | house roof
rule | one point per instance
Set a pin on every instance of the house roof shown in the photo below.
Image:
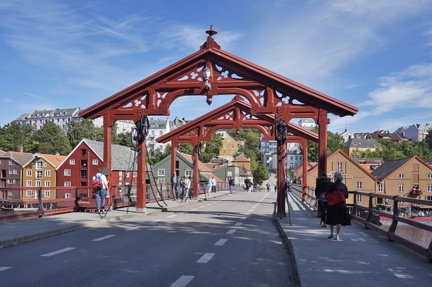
(241, 157)
(53, 160)
(362, 143)
(122, 157)
(388, 167)
(19, 157)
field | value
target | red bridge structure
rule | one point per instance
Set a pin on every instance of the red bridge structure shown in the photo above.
(210, 72)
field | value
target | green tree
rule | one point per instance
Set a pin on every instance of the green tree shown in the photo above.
(210, 149)
(78, 131)
(51, 140)
(14, 136)
(260, 173)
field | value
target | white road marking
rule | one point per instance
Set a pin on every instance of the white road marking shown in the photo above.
(3, 268)
(238, 224)
(174, 215)
(58, 251)
(103, 238)
(231, 231)
(243, 218)
(221, 242)
(206, 258)
(183, 281)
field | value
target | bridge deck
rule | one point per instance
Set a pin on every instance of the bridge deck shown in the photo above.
(360, 258)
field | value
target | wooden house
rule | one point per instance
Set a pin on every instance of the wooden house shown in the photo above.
(40, 171)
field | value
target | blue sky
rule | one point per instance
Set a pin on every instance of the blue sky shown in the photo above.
(375, 55)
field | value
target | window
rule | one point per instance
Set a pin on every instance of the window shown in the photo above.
(29, 193)
(358, 198)
(47, 183)
(401, 187)
(29, 172)
(10, 162)
(11, 181)
(38, 183)
(47, 173)
(38, 174)
(95, 162)
(380, 187)
(47, 193)
(67, 183)
(401, 175)
(28, 183)
(72, 162)
(83, 174)
(83, 152)
(429, 175)
(67, 172)
(359, 185)
(339, 166)
(161, 172)
(161, 180)
(68, 195)
(429, 188)
(188, 172)
(39, 164)
(14, 171)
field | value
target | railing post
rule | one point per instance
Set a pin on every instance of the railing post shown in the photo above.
(39, 194)
(369, 217)
(394, 223)
(77, 207)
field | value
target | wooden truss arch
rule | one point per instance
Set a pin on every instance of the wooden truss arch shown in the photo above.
(266, 91)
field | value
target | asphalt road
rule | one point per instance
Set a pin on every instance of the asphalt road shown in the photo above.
(226, 241)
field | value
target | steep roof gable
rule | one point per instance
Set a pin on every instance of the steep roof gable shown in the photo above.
(388, 167)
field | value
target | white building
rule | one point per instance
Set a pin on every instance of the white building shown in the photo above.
(38, 119)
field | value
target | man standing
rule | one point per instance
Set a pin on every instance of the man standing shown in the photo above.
(174, 185)
(100, 188)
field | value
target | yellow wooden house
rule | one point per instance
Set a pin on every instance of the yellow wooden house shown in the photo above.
(40, 171)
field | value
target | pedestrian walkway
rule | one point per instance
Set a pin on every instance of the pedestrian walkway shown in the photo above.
(360, 258)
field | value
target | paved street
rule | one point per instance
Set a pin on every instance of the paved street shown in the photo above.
(226, 241)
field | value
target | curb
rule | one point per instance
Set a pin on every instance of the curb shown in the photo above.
(290, 249)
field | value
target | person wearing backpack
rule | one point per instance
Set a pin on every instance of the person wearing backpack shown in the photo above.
(100, 187)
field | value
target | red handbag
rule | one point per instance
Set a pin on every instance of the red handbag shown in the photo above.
(335, 197)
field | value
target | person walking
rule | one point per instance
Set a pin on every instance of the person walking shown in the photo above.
(268, 186)
(209, 185)
(213, 184)
(321, 187)
(337, 213)
(189, 187)
(100, 188)
(231, 185)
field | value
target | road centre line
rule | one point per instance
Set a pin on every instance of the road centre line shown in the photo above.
(58, 251)
(3, 268)
(103, 237)
(183, 281)
(231, 231)
(206, 258)
(221, 242)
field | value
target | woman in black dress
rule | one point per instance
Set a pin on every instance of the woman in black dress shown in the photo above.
(337, 214)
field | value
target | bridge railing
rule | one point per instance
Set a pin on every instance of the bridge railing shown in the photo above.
(403, 220)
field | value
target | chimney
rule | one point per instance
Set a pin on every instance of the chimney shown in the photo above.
(20, 148)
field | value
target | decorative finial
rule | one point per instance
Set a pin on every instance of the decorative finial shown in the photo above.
(211, 32)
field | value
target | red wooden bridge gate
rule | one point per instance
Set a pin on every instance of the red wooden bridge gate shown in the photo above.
(210, 72)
